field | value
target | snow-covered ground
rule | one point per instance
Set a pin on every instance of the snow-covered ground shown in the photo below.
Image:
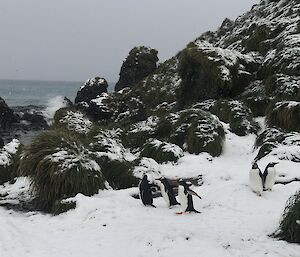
(233, 221)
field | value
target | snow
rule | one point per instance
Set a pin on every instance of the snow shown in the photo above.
(99, 100)
(147, 166)
(96, 81)
(7, 151)
(233, 221)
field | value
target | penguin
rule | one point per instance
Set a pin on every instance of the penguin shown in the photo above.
(269, 176)
(256, 179)
(146, 192)
(185, 197)
(167, 191)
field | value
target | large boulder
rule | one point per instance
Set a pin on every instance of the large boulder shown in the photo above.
(7, 116)
(140, 62)
(91, 89)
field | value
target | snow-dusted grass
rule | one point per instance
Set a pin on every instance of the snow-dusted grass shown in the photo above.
(234, 221)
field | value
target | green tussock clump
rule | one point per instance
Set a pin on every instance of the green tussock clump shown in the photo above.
(60, 167)
(289, 228)
(118, 173)
(110, 154)
(236, 113)
(72, 120)
(256, 98)
(285, 115)
(212, 72)
(137, 134)
(62, 206)
(198, 131)
(161, 152)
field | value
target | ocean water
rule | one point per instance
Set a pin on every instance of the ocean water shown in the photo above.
(26, 92)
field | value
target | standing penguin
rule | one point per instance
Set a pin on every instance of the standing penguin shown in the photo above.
(185, 197)
(269, 176)
(256, 179)
(167, 191)
(146, 192)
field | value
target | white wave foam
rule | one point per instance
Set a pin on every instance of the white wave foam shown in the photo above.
(52, 106)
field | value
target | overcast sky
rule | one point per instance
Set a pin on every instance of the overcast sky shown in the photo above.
(77, 39)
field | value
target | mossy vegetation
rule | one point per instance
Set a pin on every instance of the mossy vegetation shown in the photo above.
(257, 36)
(256, 98)
(289, 228)
(212, 72)
(283, 145)
(118, 173)
(161, 152)
(285, 115)
(62, 206)
(236, 113)
(60, 166)
(73, 120)
(198, 131)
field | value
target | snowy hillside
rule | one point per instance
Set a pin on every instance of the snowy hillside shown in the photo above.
(228, 99)
(233, 221)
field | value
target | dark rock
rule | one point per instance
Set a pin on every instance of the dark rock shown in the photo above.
(140, 62)
(1, 142)
(7, 116)
(91, 89)
(68, 102)
(37, 120)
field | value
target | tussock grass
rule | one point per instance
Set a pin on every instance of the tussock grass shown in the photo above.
(285, 115)
(60, 167)
(289, 228)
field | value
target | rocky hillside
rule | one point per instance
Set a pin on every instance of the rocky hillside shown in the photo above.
(194, 103)
(247, 68)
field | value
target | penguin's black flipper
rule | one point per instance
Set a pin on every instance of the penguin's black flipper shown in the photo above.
(152, 205)
(191, 192)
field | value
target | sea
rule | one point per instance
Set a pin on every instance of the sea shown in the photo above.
(38, 93)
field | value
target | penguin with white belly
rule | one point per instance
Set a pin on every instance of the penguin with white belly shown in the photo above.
(167, 191)
(185, 195)
(146, 192)
(269, 176)
(256, 179)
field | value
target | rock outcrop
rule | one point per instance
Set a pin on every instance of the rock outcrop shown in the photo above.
(7, 116)
(91, 89)
(140, 62)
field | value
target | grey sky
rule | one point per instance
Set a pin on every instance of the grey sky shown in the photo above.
(77, 39)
